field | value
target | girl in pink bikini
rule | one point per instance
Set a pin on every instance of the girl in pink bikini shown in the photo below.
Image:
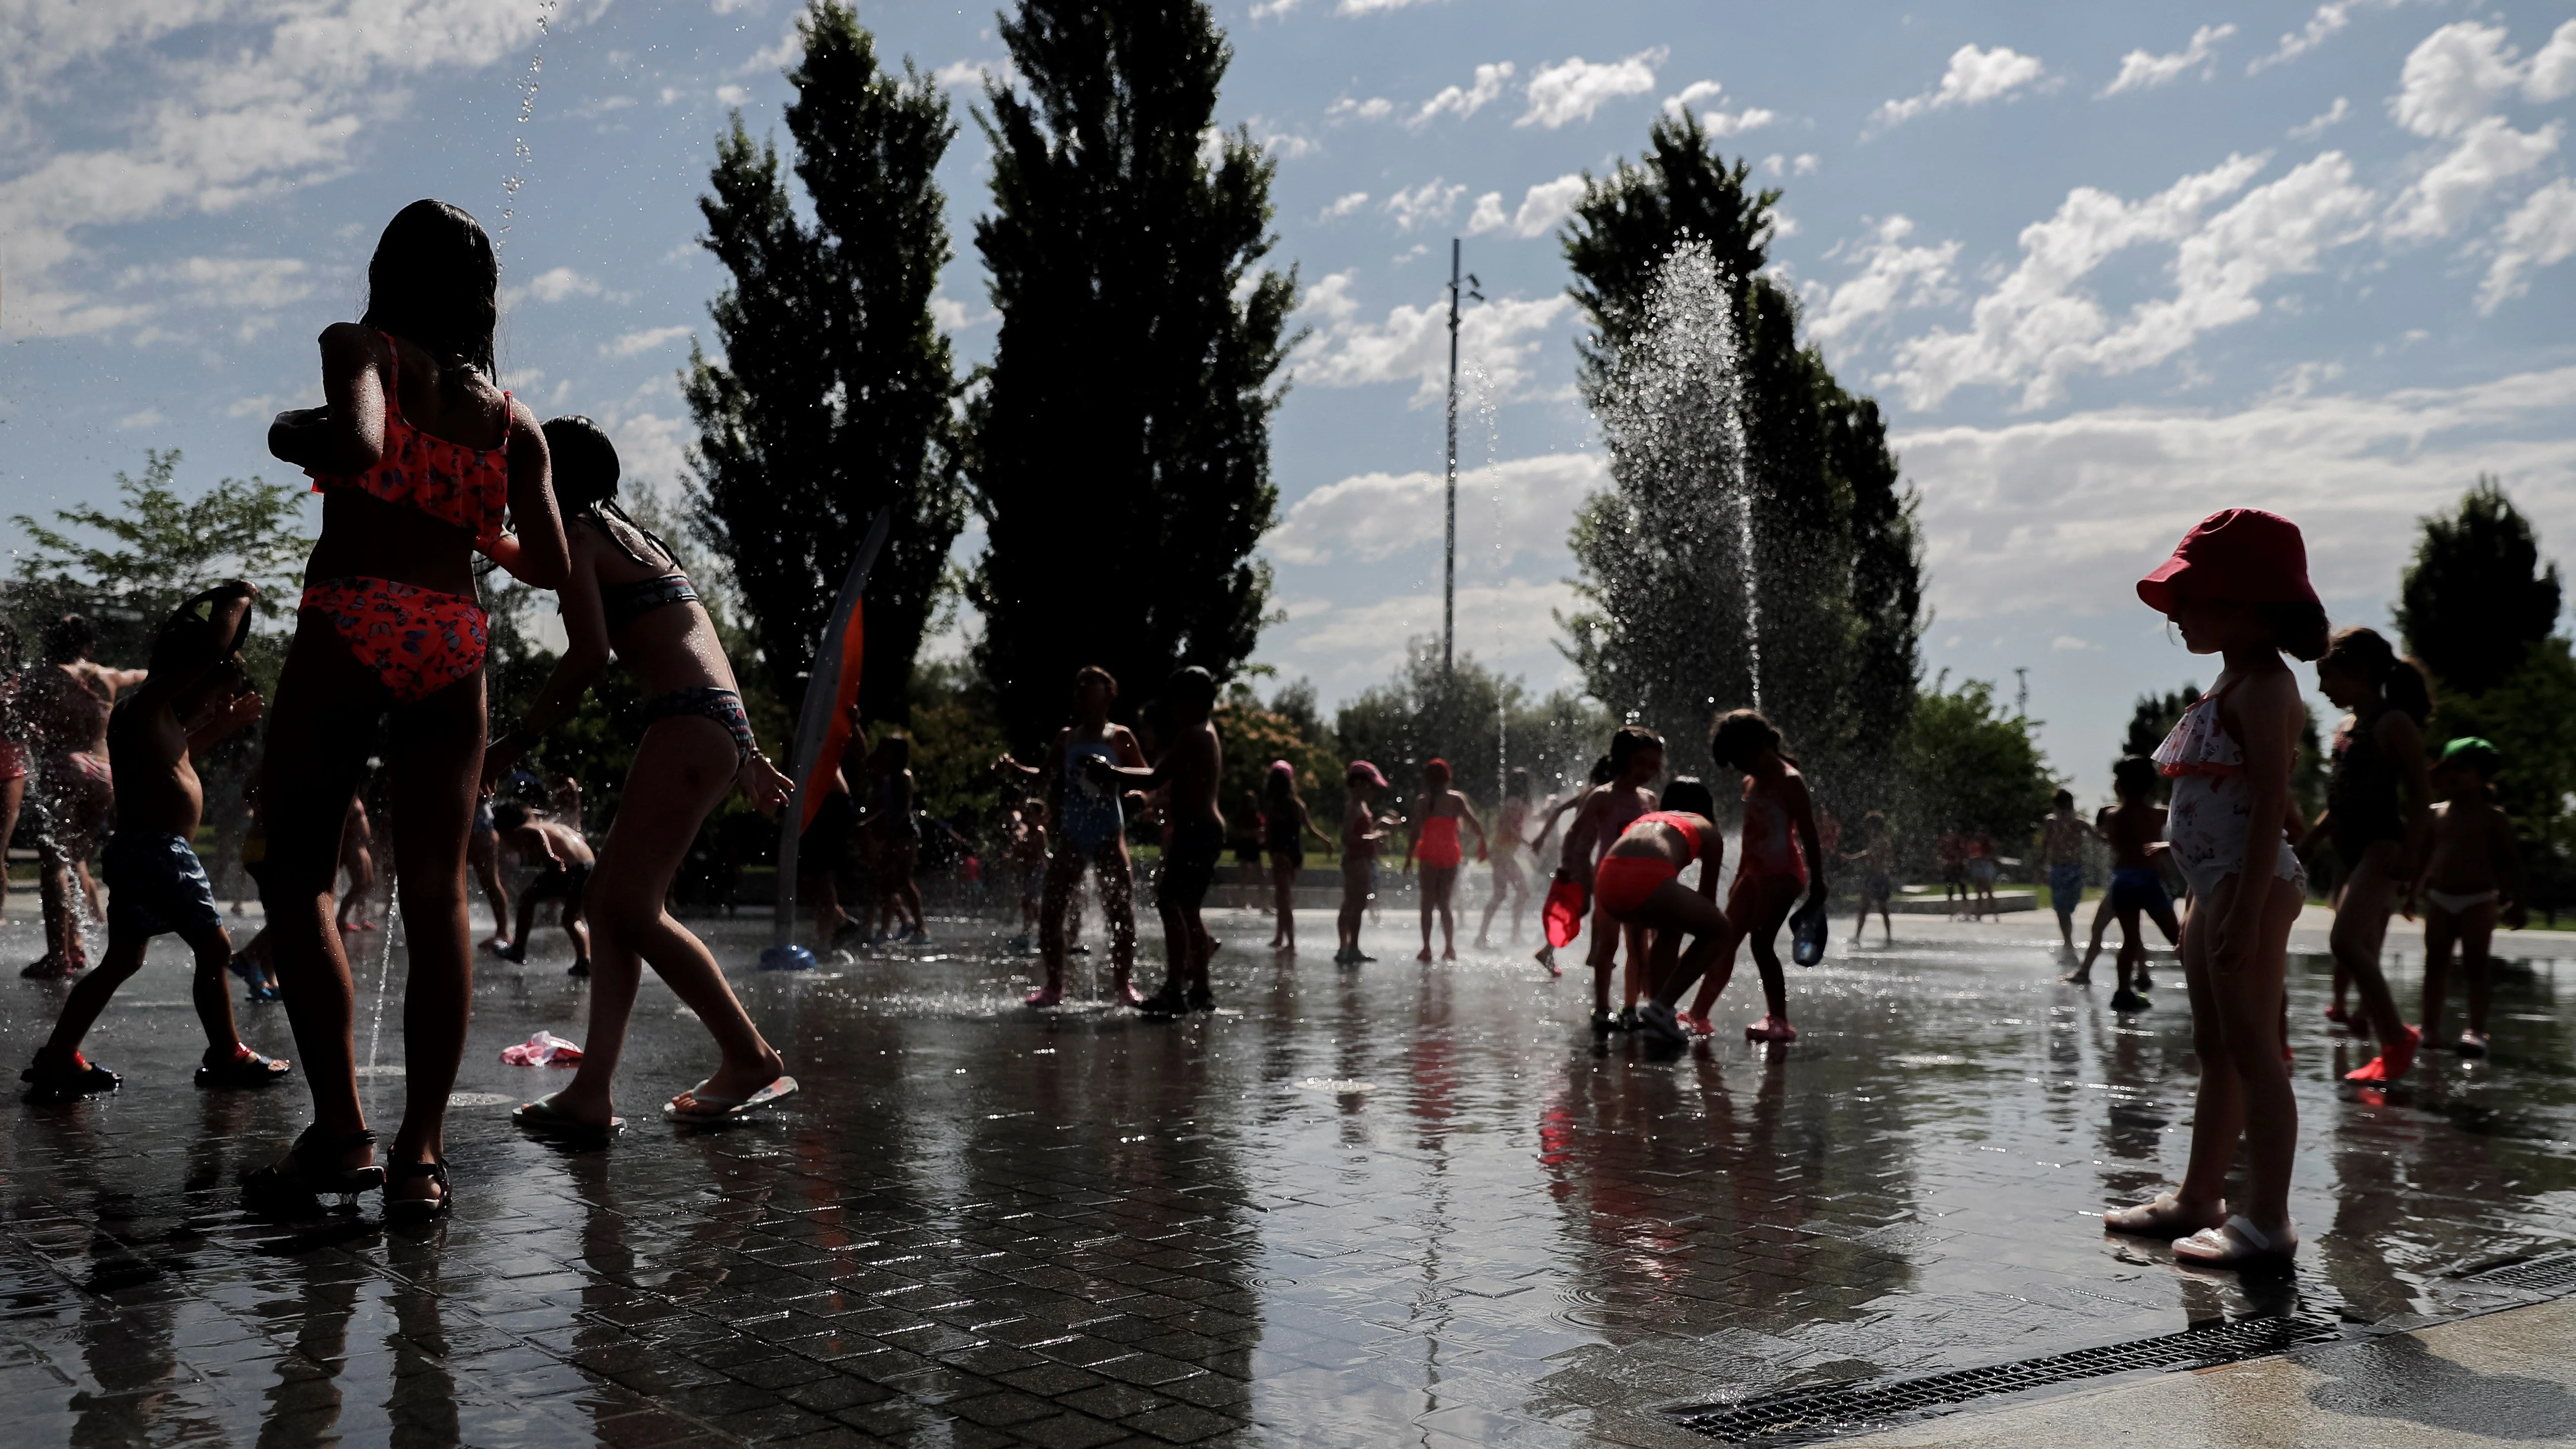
(419, 456)
(1771, 876)
(2236, 587)
(1435, 847)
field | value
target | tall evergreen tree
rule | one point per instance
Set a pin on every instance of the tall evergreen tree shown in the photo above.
(1836, 555)
(1121, 447)
(2477, 596)
(835, 396)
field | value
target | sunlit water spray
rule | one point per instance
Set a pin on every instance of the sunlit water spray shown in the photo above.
(520, 154)
(385, 972)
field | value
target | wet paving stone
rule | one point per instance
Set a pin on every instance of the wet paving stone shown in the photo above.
(1351, 1207)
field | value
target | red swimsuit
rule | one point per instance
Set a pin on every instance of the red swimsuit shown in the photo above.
(1622, 882)
(418, 641)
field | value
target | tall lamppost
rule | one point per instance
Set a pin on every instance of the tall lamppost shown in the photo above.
(1458, 282)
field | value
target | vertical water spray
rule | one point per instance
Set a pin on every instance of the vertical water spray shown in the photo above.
(519, 152)
(385, 971)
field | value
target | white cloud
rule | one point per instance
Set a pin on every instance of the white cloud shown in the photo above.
(2056, 518)
(1893, 276)
(1698, 92)
(1541, 208)
(951, 315)
(2553, 70)
(1974, 78)
(2315, 126)
(652, 451)
(2330, 17)
(1375, 108)
(1430, 202)
(236, 284)
(1573, 89)
(2456, 76)
(2142, 70)
(1374, 516)
(732, 95)
(1466, 101)
(1719, 122)
(2489, 153)
(274, 97)
(555, 284)
(1346, 648)
(2069, 644)
(1805, 164)
(2541, 233)
(2037, 329)
(148, 418)
(1370, 7)
(1498, 340)
(634, 344)
(1342, 206)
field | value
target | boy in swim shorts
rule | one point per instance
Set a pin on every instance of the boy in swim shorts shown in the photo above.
(2062, 836)
(195, 695)
(2472, 878)
(1191, 767)
(1362, 829)
(567, 873)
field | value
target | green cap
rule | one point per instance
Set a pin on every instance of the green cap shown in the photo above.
(2477, 754)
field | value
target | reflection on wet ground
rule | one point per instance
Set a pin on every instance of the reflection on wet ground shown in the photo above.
(1351, 1207)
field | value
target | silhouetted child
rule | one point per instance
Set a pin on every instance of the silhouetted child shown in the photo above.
(2135, 830)
(2062, 836)
(1877, 860)
(1362, 829)
(1029, 857)
(1773, 878)
(1436, 848)
(2472, 879)
(194, 696)
(1190, 767)
(567, 874)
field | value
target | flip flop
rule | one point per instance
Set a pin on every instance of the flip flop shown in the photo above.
(2155, 1219)
(247, 1070)
(707, 1110)
(86, 1078)
(2236, 1244)
(545, 1119)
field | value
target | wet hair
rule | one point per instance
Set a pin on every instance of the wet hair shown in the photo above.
(68, 638)
(2063, 796)
(509, 815)
(434, 279)
(1689, 795)
(1436, 769)
(2403, 683)
(1191, 685)
(1602, 770)
(2134, 777)
(1094, 674)
(187, 639)
(584, 467)
(1516, 785)
(1627, 742)
(1741, 734)
(1281, 785)
(2298, 628)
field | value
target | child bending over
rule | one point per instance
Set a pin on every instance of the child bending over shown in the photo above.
(567, 875)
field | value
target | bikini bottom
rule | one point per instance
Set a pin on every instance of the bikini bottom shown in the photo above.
(417, 641)
(710, 702)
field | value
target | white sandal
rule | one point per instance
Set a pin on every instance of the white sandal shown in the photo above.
(2237, 1244)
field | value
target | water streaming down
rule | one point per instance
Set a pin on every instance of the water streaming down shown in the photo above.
(1687, 589)
(1480, 394)
(385, 972)
(519, 150)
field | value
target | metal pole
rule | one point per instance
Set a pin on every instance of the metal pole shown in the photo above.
(1449, 564)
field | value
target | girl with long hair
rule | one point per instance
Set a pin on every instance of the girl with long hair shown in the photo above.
(1782, 863)
(627, 595)
(419, 457)
(2378, 754)
(1284, 828)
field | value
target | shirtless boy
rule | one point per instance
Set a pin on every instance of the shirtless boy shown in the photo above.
(2062, 836)
(1636, 758)
(2472, 879)
(1362, 829)
(64, 706)
(568, 864)
(1187, 772)
(194, 696)
(2135, 829)
(1090, 826)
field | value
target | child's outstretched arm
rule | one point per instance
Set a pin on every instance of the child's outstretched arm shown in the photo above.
(1306, 818)
(347, 433)
(223, 721)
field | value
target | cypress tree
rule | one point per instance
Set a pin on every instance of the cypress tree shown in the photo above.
(2477, 596)
(1120, 444)
(836, 395)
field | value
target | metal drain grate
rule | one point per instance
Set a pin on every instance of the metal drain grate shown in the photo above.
(2549, 1273)
(1806, 1416)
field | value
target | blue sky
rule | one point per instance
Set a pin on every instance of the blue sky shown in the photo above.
(2108, 268)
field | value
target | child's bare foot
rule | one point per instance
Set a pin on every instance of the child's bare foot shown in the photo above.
(1425, 956)
(1448, 953)
(1045, 996)
(1771, 1028)
(2166, 1217)
(2078, 977)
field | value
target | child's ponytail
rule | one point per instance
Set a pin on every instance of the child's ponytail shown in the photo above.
(2402, 683)
(2410, 689)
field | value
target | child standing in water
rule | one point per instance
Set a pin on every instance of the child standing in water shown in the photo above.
(566, 878)
(1771, 874)
(1509, 819)
(1190, 766)
(1601, 773)
(1435, 846)
(1636, 758)
(1029, 857)
(2378, 749)
(2135, 829)
(2472, 878)
(1284, 828)
(1877, 860)
(2237, 586)
(1362, 829)
(2062, 836)
(194, 696)
(1090, 825)
(420, 458)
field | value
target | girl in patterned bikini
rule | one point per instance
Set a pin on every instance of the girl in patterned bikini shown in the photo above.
(418, 455)
(2237, 587)
(628, 595)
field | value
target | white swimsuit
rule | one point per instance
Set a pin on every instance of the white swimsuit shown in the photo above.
(2206, 823)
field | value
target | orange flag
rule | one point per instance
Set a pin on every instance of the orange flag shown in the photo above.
(836, 734)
